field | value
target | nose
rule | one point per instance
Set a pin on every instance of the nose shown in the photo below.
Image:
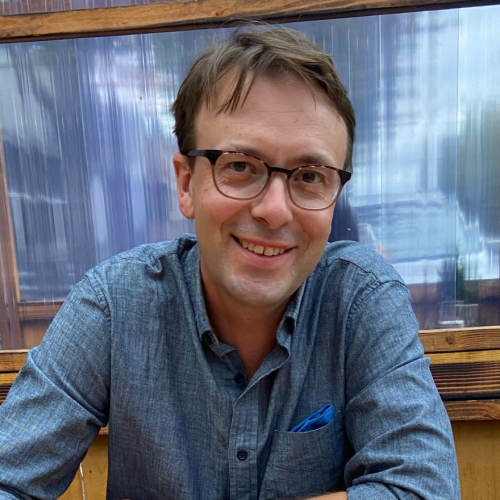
(273, 206)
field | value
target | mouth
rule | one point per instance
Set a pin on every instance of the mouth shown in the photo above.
(261, 249)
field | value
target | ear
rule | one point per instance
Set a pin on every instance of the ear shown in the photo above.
(184, 178)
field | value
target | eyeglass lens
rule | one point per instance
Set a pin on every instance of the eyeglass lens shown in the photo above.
(243, 177)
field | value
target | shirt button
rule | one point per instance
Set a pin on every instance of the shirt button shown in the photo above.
(242, 455)
(238, 378)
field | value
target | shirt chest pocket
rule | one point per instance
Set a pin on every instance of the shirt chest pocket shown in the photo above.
(303, 464)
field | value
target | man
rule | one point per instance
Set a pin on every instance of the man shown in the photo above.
(248, 362)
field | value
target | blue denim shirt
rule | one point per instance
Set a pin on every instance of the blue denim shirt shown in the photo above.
(132, 346)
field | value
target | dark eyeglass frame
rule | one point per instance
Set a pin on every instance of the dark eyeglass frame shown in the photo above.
(213, 155)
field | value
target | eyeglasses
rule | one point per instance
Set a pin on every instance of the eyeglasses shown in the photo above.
(243, 176)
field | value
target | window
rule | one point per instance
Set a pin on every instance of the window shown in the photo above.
(87, 143)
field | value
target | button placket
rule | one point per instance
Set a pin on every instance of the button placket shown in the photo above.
(243, 475)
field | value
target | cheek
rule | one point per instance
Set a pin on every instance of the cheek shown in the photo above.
(215, 211)
(317, 226)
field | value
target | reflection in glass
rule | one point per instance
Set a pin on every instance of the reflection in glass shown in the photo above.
(87, 141)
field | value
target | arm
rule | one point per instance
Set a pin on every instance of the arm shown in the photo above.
(394, 417)
(58, 402)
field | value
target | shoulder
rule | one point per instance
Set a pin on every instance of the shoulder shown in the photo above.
(144, 263)
(357, 261)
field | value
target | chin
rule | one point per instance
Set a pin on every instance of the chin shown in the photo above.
(260, 295)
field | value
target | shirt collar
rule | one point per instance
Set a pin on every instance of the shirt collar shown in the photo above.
(192, 275)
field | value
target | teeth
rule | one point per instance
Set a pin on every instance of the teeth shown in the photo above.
(260, 249)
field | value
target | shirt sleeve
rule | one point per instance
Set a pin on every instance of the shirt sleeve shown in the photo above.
(395, 420)
(58, 402)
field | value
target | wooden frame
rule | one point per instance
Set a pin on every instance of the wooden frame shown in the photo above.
(189, 14)
(9, 281)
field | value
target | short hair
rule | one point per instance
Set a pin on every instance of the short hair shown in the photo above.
(255, 51)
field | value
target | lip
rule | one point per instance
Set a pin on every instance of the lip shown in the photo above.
(262, 261)
(262, 243)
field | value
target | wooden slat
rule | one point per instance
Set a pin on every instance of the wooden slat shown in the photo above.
(467, 375)
(7, 378)
(12, 361)
(189, 14)
(467, 357)
(9, 280)
(36, 311)
(4, 390)
(4, 311)
(473, 410)
(463, 339)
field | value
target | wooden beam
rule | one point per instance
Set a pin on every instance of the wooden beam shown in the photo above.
(488, 409)
(460, 339)
(190, 14)
(12, 361)
(9, 279)
(36, 311)
(467, 357)
(467, 375)
(7, 378)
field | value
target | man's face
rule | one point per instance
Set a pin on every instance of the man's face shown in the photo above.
(281, 123)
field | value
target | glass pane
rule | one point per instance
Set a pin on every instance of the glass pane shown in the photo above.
(87, 141)
(13, 7)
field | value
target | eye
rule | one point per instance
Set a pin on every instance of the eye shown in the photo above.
(240, 166)
(310, 177)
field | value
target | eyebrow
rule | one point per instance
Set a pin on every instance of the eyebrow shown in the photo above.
(304, 159)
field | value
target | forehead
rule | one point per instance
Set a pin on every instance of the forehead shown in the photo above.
(279, 114)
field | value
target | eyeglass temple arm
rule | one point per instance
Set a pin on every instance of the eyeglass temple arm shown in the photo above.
(210, 154)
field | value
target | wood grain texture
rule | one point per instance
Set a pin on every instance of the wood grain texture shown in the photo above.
(4, 311)
(95, 473)
(33, 332)
(35, 311)
(189, 14)
(12, 361)
(467, 375)
(467, 357)
(488, 409)
(9, 280)
(7, 378)
(478, 453)
(460, 339)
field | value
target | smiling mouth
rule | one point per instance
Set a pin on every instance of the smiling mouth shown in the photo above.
(260, 249)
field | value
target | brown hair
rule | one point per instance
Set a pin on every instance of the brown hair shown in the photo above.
(254, 51)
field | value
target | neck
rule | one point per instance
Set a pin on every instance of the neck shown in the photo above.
(252, 331)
